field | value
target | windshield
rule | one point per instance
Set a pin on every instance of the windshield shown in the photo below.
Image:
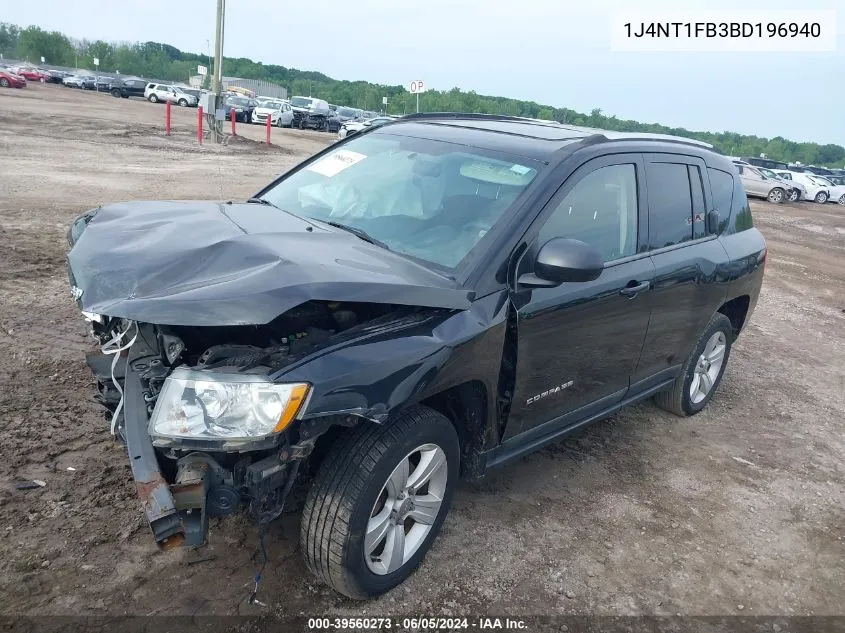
(272, 105)
(432, 200)
(237, 101)
(769, 173)
(822, 181)
(301, 102)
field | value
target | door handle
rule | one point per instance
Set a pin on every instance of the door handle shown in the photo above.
(632, 291)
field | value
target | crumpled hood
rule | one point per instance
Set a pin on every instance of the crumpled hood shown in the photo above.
(210, 263)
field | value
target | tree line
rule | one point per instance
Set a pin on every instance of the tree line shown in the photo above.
(163, 61)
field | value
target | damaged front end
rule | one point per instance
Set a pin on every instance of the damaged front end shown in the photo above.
(207, 429)
(228, 354)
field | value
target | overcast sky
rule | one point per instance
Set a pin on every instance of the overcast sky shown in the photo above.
(555, 52)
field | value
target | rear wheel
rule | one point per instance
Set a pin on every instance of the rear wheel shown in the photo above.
(153, 99)
(702, 372)
(776, 195)
(821, 197)
(378, 501)
(841, 200)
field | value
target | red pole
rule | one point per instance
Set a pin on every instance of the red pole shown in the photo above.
(232, 116)
(269, 121)
(167, 118)
(199, 124)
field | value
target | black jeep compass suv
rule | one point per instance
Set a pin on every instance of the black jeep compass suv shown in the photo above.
(422, 302)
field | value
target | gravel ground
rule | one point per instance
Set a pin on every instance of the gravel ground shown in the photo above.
(737, 510)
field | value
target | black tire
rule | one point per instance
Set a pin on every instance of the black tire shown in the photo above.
(153, 99)
(821, 197)
(794, 194)
(116, 94)
(841, 200)
(677, 399)
(183, 103)
(346, 488)
(4, 82)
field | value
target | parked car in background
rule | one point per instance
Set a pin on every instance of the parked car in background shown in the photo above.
(33, 74)
(160, 93)
(77, 81)
(353, 127)
(836, 193)
(818, 171)
(9, 79)
(280, 113)
(128, 87)
(194, 92)
(836, 179)
(180, 97)
(104, 83)
(815, 190)
(309, 112)
(56, 76)
(795, 190)
(768, 163)
(243, 107)
(759, 186)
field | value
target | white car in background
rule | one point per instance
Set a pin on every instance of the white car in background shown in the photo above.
(836, 193)
(159, 93)
(816, 190)
(279, 111)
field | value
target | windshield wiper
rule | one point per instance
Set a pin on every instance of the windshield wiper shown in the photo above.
(361, 233)
(262, 201)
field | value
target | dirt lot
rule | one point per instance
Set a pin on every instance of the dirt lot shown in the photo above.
(739, 509)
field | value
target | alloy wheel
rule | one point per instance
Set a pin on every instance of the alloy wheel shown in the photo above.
(405, 509)
(708, 367)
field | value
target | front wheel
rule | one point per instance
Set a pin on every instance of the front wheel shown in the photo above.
(821, 197)
(183, 103)
(793, 195)
(776, 195)
(4, 82)
(378, 501)
(702, 372)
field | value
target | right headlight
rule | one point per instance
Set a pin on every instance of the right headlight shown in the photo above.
(204, 405)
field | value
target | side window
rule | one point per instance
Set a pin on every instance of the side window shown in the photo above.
(669, 204)
(699, 213)
(601, 210)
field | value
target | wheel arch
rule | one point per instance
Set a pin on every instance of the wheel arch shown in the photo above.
(736, 310)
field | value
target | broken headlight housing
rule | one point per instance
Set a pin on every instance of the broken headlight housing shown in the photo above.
(233, 408)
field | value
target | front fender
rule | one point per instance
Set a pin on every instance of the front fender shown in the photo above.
(372, 376)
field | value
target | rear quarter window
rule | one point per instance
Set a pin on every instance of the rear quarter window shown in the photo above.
(729, 199)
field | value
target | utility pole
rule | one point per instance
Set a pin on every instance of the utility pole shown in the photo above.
(217, 87)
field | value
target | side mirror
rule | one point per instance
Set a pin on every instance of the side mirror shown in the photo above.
(713, 222)
(564, 260)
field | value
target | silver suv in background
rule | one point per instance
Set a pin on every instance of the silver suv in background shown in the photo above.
(156, 93)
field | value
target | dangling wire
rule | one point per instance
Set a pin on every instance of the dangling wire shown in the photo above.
(263, 550)
(114, 347)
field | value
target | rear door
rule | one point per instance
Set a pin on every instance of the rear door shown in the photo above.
(685, 292)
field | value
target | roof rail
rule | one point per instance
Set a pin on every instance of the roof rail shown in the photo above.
(588, 131)
(471, 115)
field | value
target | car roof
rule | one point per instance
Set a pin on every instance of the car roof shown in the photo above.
(535, 138)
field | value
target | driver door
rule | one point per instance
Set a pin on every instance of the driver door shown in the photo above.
(579, 342)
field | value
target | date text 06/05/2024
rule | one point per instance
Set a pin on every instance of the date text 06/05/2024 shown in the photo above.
(417, 623)
(723, 29)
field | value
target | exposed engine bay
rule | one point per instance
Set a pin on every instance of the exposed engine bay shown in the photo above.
(210, 478)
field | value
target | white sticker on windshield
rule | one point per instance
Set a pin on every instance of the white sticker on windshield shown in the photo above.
(336, 162)
(520, 169)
